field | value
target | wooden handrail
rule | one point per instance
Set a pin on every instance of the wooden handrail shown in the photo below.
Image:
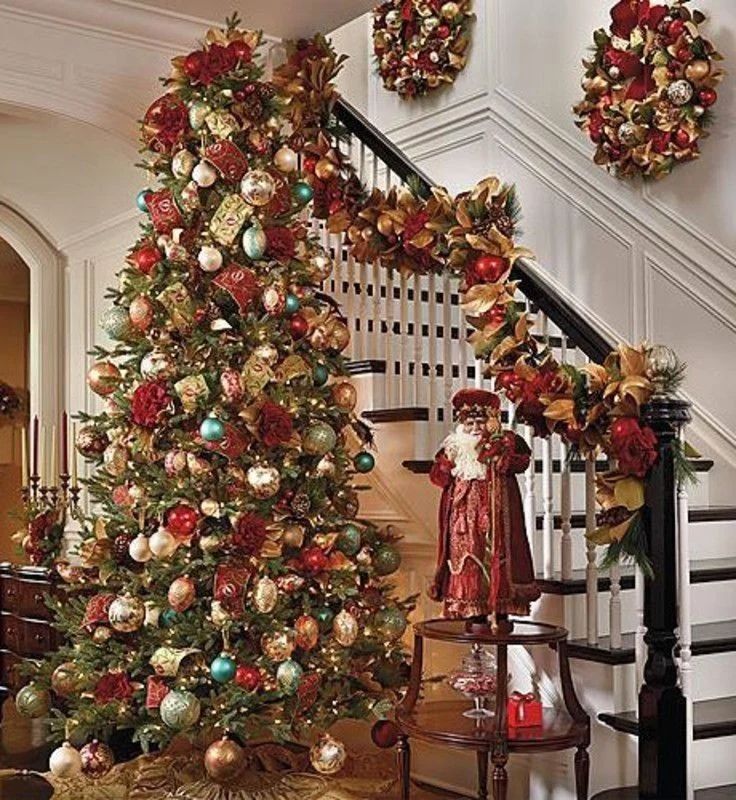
(581, 333)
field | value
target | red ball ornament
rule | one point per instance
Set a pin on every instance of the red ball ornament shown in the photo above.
(443, 31)
(675, 29)
(240, 50)
(314, 560)
(684, 54)
(681, 138)
(385, 734)
(707, 97)
(496, 316)
(489, 269)
(146, 258)
(309, 163)
(624, 427)
(298, 326)
(247, 677)
(194, 63)
(181, 520)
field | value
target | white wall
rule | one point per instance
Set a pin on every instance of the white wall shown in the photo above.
(656, 262)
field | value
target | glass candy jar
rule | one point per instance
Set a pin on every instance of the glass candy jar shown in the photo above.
(476, 680)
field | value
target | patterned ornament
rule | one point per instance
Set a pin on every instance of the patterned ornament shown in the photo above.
(181, 520)
(33, 701)
(254, 242)
(116, 323)
(198, 113)
(278, 646)
(97, 759)
(386, 559)
(231, 385)
(345, 396)
(328, 755)
(139, 549)
(267, 353)
(293, 535)
(680, 92)
(390, 622)
(326, 467)
(141, 312)
(126, 613)
(264, 481)
(183, 163)
(101, 635)
(265, 595)
(115, 459)
(345, 628)
(224, 760)
(248, 677)
(349, 540)
(121, 543)
(65, 761)
(306, 630)
(91, 442)
(103, 378)
(157, 365)
(319, 439)
(274, 299)
(258, 187)
(321, 268)
(223, 668)
(288, 676)
(301, 504)
(182, 593)
(180, 710)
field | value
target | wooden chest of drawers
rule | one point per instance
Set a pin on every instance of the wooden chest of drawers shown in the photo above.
(25, 620)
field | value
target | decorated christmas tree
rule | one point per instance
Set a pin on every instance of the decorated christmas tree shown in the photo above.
(227, 588)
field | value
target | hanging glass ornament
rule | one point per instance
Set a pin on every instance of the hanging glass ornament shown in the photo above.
(180, 710)
(223, 668)
(288, 676)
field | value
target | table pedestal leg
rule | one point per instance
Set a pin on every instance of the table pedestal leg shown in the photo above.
(404, 757)
(482, 774)
(500, 782)
(582, 773)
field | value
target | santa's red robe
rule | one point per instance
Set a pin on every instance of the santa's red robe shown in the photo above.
(484, 564)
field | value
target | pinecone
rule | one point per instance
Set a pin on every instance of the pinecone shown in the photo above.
(265, 91)
(252, 108)
(501, 221)
(120, 547)
(301, 504)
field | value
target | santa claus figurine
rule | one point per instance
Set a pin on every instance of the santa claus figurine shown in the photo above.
(484, 565)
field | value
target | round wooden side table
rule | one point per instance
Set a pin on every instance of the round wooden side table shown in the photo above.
(443, 723)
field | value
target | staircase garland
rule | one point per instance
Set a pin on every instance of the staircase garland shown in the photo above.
(596, 409)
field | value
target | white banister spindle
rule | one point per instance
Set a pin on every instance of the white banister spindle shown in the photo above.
(548, 524)
(393, 386)
(447, 349)
(351, 304)
(591, 569)
(614, 606)
(376, 337)
(530, 513)
(565, 513)
(363, 311)
(639, 645)
(418, 341)
(404, 354)
(432, 356)
(685, 620)
(462, 347)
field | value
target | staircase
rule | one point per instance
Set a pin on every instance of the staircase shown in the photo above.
(408, 358)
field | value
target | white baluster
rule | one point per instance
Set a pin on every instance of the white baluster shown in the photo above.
(591, 569)
(447, 349)
(418, 342)
(565, 513)
(404, 379)
(376, 338)
(548, 523)
(640, 654)
(393, 387)
(363, 310)
(685, 621)
(530, 510)
(614, 607)
(458, 321)
(351, 304)
(432, 357)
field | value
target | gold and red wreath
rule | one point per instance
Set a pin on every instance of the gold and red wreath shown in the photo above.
(649, 88)
(420, 44)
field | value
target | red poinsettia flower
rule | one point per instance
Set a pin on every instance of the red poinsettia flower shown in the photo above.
(280, 243)
(627, 14)
(249, 534)
(642, 85)
(113, 686)
(627, 62)
(150, 400)
(634, 446)
(275, 424)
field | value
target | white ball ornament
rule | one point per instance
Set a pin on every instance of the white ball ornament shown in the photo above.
(264, 481)
(162, 543)
(210, 259)
(180, 710)
(126, 613)
(153, 614)
(257, 187)
(65, 761)
(156, 365)
(139, 549)
(204, 174)
(285, 159)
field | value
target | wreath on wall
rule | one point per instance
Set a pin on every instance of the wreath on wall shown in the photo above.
(649, 88)
(420, 44)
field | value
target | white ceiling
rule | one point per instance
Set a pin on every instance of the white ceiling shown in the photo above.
(279, 18)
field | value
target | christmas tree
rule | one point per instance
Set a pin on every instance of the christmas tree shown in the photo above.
(227, 586)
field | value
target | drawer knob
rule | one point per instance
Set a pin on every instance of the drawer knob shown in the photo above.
(38, 597)
(39, 637)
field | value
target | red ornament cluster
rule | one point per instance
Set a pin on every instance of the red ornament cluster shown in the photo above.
(205, 66)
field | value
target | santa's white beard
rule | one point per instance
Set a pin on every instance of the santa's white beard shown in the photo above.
(462, 449)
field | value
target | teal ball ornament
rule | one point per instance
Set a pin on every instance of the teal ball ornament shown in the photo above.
(292, 304)
(168, 618)
(254, 242)
(140, 200)
(320, 374)
(324, 617)
(302, 192)
(390, 622)
(289, 676)
(180, 710)
(33, 701)
(223, 669)
(116, 323)
(364, 462)
(386, 559)
(212, 429)
(349, 540)
(319, 439)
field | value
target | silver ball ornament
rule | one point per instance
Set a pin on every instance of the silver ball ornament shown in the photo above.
(180, 710)
(210, 258)
(680, 92)
(204, 174)
(65, 761)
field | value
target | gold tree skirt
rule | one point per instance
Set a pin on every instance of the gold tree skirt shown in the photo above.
(276, 774)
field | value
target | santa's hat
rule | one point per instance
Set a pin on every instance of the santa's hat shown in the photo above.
(469, 403)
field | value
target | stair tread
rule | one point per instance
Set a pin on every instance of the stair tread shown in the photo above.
(422, 466)
(708, 570)
(711, 718)
(632, 793)
(708, 638)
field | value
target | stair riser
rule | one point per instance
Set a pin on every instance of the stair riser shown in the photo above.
(713, 762)
(714, 676)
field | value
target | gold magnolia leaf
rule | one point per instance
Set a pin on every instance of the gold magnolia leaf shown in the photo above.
(607, 534)
(481, 298)
(633, 361)
(562, 410)
(629, 492)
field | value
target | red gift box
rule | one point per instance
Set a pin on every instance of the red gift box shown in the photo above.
(524, 710)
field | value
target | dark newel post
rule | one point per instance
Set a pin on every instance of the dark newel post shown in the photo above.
(662, 712)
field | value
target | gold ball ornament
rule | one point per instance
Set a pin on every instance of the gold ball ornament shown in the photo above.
(126, 613)
(264, 481)
(115, 459)
(224, 760)
(65, 679)
(182, 593)
(183, 163)
(65, 761)
(345, 396)
(339, 337)
(220, 615)
(101, 635)
(345, 628)
(385, 225)
(258, 187)
(103, 378)
(265, 595)
(32, 701)
(449, 10)
(697, 70)
(285, 159)
(278, 646)
(319, 438)
(306, 630)
(293, 536)
(328, 755)
(325, 169)
(321, 268)
(97, 759)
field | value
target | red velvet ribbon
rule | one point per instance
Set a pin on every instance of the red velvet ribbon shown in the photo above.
(521, 700)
